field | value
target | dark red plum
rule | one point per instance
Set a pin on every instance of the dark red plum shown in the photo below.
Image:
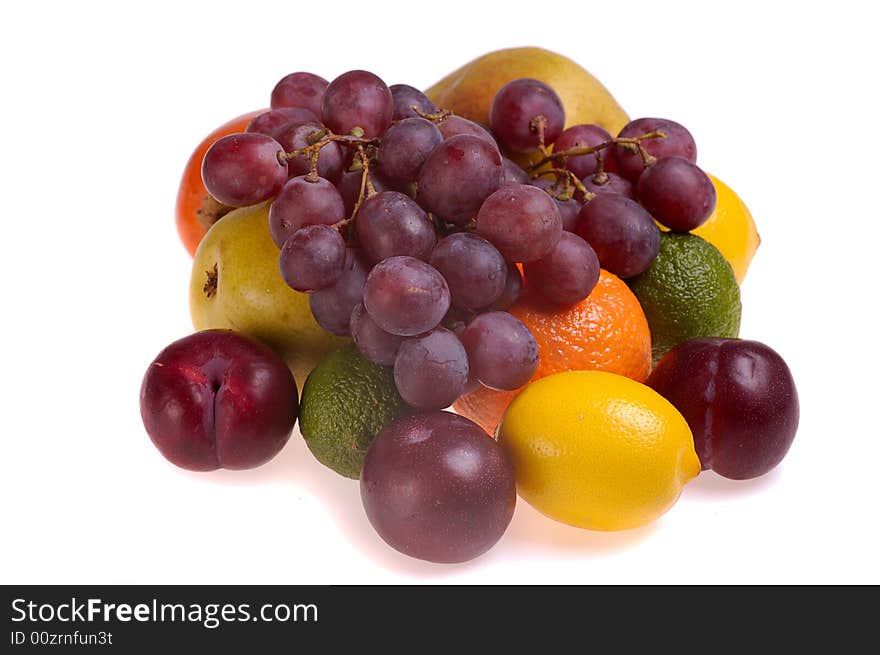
(738, 398)
(218, 399)
(436, 487)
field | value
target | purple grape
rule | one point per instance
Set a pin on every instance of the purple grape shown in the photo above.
(357, 99)
(458, 176)
(406, 296)
(678, 143)
(312, 258)
(512, 173)
(522, 221)
(514, 109)
(299, 90)
(583, 136)
(405, 97)
(405, 147)
(349, 188)
(332, 307)
(377, 345)
(243, 169)
(677, 193)
(438, 488)
(301, 203)
(624, 236)
(431, 370)
(568, 209)
(454, 125)
(390, 224)
(275, 121)
(330, 159)
(739, 399)
(512, 289)
(567, 274)
(472, 267)
(501, 350)
(612, 183)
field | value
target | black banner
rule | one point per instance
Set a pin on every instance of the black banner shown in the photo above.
(218, 619)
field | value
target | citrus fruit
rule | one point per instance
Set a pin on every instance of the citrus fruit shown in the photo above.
(346, 401)
(607, 331)
(689, 291)
(597, 450)
(731, 229)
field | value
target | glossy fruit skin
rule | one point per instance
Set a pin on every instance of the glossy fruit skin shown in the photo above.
(313, 258)
(374, 343)
(583, 136)
(217, 399)
(195, 210)
(301, 203)
(389, 224)
(597, 450)
(613, 184)
(437, 488)
(514, 109)
(678, 143)
(522, 221)
(472, 267)
(248, 293)
(607, 331)
(300, 90)
(357, 99)
(332, 307)
(567, 274)
(405, 147)
(468, 91)
(688, 291)
(739, 399)
(406, 97)
(454, 125)
(431, 370)
(406, 296)
(275, 121)
(731, 229)
(458, 176)
(501, 350)
(622, 233)
(330, 159)
(346, 401)
(676, 193)
(243, 169)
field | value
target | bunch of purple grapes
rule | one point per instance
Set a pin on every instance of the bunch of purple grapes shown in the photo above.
(405, 223)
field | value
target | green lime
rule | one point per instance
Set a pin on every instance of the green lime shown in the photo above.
(689, 291)
(346, 401)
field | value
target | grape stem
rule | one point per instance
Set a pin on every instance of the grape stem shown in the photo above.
(317, 140)
(439, 116)
(571, 183)
(633, 144)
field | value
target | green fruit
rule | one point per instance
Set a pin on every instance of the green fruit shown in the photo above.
(346, 401)
(236, 285)
(689, 291)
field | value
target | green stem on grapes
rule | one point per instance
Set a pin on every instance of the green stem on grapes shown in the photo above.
(436, 117)
(633, 144)
(572, 184)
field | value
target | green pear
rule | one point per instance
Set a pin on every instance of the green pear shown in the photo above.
(236, 285)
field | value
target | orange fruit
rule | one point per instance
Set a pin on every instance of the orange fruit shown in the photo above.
(607, 331)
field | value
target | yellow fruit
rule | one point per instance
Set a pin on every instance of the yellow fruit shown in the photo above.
(469, 90)
(236, 285)
(597, 450)
(731, 229)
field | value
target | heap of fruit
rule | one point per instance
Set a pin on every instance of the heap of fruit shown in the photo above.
(526, 270)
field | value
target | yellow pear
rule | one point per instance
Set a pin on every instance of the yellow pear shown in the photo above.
(236, 285)
(469, 90)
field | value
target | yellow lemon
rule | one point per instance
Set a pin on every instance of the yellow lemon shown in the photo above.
(597, 450)
(731, 229)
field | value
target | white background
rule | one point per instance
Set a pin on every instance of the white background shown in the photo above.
(102, 104)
